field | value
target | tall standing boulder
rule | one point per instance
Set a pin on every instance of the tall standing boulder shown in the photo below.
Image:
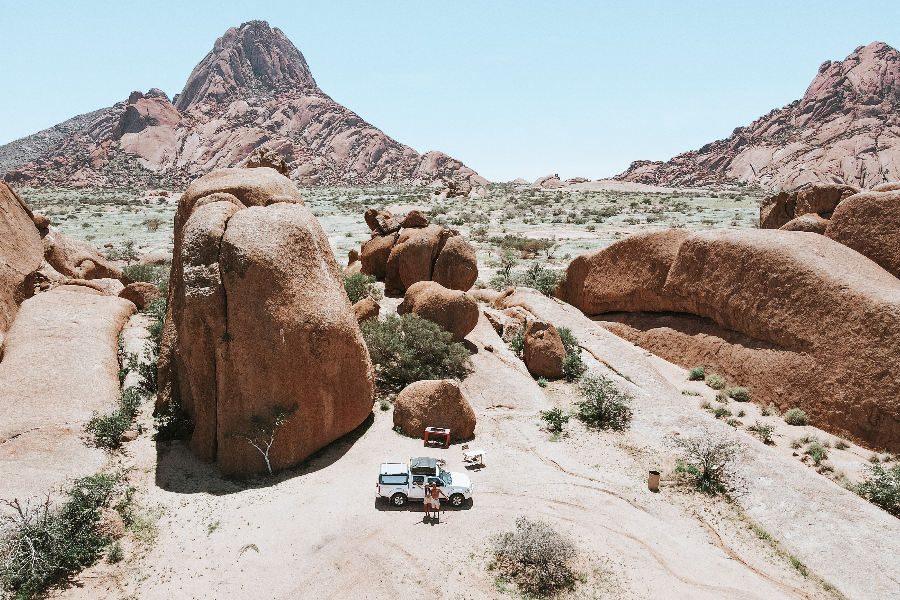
(434, 403)
(544, 351)
(375, 253)
(20, 255)
(454, 310)
(258, 319)
(456, 267)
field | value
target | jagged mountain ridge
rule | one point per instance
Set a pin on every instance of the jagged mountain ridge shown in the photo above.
(253, 88)
(845, 129)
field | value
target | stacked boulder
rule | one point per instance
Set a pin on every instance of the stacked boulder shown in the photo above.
(409, 250)
(797, 317)
(778, 211)
(258, 322)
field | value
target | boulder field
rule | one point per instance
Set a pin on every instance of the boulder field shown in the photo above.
(258, 320)
(409, 250)
(824, 317)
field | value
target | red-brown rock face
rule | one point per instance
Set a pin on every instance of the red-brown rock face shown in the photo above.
(827, 314)
(870, 224)
(845, 129)
(258, 318)
(253, 88)
(20, 255)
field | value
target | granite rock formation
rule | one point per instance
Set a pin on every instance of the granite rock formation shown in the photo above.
(845, 129)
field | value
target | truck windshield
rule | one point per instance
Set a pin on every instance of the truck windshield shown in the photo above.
(393, 479)
(445, 477)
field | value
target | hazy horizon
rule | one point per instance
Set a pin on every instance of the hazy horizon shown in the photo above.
(513, 89)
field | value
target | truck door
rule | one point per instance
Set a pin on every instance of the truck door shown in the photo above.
(417, 488)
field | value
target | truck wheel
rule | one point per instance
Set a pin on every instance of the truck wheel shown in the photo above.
(457, 500)
(398, 499)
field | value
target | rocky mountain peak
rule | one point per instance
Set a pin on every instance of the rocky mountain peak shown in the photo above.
(869, 76)
(252, 58)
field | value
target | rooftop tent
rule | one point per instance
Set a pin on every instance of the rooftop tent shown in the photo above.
(422, 465)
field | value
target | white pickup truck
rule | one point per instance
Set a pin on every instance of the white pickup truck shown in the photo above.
(403, 482)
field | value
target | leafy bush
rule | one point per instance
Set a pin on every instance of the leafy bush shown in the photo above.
(555, 419)
(739, 394)
(535, 556)
(128, 253)
(108, 429)
(715, 381)
(763, 432)
(384, 405)
(795, 416)
(157, 275)
(604, 406)
(542, 279)
(173, 424)
(721, 411)
(882, 487)
(817, 452)
(841, 444)
(573, 366)
(408, 348)
(708, 461)
(360, 286)
(767, 411)
(115, 554)
(542, 382)
(697, 374)
(42, 544)
(517, 344)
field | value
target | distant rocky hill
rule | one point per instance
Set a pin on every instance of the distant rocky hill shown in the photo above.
(253, 88)
(845, 129)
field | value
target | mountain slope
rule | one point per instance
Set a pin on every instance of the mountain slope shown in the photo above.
(845, 129)
(253, 88)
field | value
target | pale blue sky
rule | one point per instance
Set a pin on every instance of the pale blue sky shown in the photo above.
(513, 89)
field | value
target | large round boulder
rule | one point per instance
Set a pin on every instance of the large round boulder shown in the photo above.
(141, 293)
(412, 257)
(544, 350)
(454, 310)
(76, 259)
(434, 403)
(366, 309)
(810, 222)
(628, 275)
(375, 254)
(870, 224)
(456, 267)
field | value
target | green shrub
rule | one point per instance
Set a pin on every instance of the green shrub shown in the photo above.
(720, 412)
(535, 556)
(708, 461)
(115, 554)
(767, 411)
(43, 544)
(108, 429)
(542, 382)
(763, 432)
(360, 286)
(157, 275)
(697, 374)
(742, 413)
(817, 452)
(173, 424)
(604, 406)
(384, 405)
(795, 416)
(408, 348)
(573, 366)
(841, 444)
(540, 278)
(739, 394)
(715, 381)
(882, 488)
(555, 419)
(517, 344)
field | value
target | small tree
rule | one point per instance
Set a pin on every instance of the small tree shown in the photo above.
(260, 431)
(535, 556)
(708, 461)
(360, 286)
(882, 488)
(604, 405)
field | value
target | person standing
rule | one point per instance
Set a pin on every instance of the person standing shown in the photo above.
(436, 494)
(426, 500)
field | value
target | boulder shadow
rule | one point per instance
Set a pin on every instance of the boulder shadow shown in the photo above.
(177, 470)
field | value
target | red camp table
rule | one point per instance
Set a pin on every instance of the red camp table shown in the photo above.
(437, 435)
